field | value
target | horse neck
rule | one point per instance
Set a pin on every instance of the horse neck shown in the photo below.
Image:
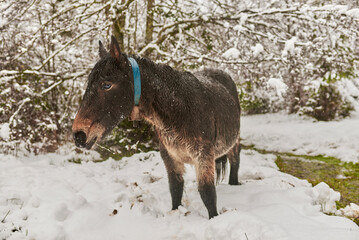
(157, 83)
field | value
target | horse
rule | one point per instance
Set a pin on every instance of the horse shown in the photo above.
(196, 116)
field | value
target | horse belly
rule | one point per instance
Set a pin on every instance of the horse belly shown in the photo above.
(222, 146)
(179, 154)
(176, 146)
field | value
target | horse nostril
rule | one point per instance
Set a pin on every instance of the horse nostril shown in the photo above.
(80, 139)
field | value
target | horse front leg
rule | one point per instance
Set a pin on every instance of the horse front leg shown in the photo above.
(206, 187)
(175, 172)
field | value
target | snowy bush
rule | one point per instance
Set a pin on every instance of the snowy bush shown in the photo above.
(326, 103)
(38, 120)
(273, 50)
(262, 96)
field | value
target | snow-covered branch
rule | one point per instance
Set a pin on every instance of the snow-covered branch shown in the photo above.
(30, 44)
(67, 44)
(22, 103)
(43, 92)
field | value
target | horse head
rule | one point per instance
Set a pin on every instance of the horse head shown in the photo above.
(108, 99)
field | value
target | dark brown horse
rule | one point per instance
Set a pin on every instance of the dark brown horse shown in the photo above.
(196, 116)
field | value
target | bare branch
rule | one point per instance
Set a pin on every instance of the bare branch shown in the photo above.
(43, 92)
(33, 39)
(67, 44)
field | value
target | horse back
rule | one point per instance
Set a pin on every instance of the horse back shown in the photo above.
(216, 76)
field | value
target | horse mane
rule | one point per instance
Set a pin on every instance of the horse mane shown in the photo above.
(161, 69)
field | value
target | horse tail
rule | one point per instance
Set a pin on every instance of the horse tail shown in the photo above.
(221, 164)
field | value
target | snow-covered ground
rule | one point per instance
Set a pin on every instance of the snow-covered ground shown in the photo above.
(283, 133)
(47, 197)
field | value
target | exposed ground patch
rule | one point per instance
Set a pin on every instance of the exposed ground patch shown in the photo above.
(341, 176)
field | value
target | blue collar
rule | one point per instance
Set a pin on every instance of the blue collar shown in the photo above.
(136, 80)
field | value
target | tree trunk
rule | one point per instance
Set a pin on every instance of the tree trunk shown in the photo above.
(119, 26)
(149, 21)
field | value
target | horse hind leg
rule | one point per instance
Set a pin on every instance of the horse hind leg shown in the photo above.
(234, 159)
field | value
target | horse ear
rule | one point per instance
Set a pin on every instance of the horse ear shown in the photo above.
(115, 50)
(102, 50)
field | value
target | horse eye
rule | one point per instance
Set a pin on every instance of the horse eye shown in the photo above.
(106, 86)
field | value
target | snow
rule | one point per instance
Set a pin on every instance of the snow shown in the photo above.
(5, 131)
(239, 28)
(232, 53)
(292, 133)
(352, 210)
(326, 197)
(334, 7)
(349, 89)
(257, 49)
(353, 12)
(289, 47)
(50, 197)
(278, 85)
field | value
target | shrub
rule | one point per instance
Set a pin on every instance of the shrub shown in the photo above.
(33, 119)
(262, 95)
(251, 104)
(126, 140)
(326, 103)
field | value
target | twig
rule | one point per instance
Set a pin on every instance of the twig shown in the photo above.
(22, 103)
(65, 46)
(32, 41)
(47, 74)
(3, 220)
(87, 15)
(15, 72)
(51, 87)
(19, 14)
(246, 235)
(239, 62)
(25, 100)
(107, 149)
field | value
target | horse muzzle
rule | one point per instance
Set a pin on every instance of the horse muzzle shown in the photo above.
(82, 142)
(86, 133)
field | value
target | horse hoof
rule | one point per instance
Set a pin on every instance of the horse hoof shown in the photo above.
(234, 183)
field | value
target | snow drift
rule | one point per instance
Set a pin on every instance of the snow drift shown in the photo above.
(48, 197)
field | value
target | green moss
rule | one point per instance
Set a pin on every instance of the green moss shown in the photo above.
(126, 140)
(75, 160)
(342, 177)
(338, 176)
(323, 158)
